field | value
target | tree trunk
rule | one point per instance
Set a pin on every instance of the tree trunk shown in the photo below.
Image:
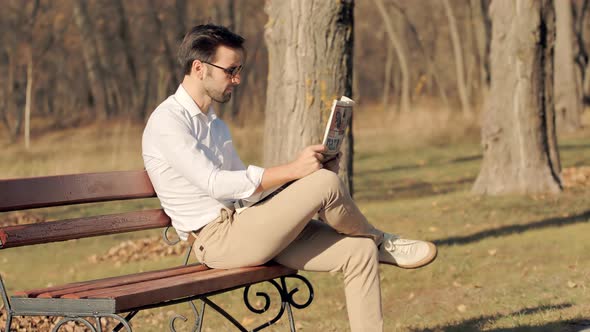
(310, 65)
(568, 85)
(480, 32)
(388, 73)
(459, 64)
(401, 55)
(518, 130)
(96, 77)
(169, 55)
(29, 99)
(580, 10)
(29, 89)
(430, 63)
(11, 115)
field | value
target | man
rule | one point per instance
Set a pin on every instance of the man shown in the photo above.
(199, 178)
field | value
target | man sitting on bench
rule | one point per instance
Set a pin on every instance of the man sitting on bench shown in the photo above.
(198, 177)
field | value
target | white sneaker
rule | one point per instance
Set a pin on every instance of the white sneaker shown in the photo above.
(407, 254)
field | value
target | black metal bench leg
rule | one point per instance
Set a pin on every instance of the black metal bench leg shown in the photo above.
(123, 322)
(291, 318)
(8, 321)
(98, 324)
(7, 307)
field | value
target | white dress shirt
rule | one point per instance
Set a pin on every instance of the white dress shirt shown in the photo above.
(192, 163)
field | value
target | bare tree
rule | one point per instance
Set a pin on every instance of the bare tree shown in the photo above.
(95, 72)
(568, 80)
(388, 73)
(518, 134)
(459, 64)
(29, 92)
(398, 46)
(169, 56)
(430, 63)
(310, 51)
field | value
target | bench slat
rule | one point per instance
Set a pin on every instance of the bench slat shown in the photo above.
(46, 191)
(159, 291)
(55, 292)
(154, 291)
(108, 292)
(46, 232)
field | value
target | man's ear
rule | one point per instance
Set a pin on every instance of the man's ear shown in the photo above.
(198, 69)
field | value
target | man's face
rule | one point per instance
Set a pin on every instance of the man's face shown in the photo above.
(218, 83)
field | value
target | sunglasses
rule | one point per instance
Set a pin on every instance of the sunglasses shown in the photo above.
(231, 71)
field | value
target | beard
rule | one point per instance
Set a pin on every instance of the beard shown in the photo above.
(220, 96)
(223, 97)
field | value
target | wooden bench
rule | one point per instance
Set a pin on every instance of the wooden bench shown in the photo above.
(127, 294)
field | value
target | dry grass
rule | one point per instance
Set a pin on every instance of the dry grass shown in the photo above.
(512, 263)
(116, 145)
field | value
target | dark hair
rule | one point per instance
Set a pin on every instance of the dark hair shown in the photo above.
(202, 41)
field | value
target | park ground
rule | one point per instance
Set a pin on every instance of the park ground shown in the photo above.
(508, 263)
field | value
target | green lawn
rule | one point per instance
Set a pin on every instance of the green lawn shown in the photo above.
(510, 263)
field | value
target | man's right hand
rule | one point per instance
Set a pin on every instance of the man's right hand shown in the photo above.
(309, 160)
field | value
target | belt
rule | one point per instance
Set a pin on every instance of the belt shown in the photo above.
(224, 214)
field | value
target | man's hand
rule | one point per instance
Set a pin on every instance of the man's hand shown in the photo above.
(334, 163)
(308, 161)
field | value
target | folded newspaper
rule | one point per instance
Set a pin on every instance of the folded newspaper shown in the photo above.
(338, 121)
(336, 127)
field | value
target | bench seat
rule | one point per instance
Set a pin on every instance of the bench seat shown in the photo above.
(131, 292)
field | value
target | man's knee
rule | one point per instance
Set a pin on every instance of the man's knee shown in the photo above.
(326, 179)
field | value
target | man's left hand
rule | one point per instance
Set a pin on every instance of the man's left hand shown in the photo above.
(333, 164)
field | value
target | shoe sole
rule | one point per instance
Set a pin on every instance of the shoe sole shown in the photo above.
(425, 261)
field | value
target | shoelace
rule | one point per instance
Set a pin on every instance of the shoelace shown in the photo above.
(390, 246)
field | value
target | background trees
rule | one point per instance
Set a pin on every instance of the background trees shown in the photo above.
(70, 62)
(441, 54)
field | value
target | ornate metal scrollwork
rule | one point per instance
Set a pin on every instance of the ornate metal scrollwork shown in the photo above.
(74, 319)
(287, 300)
(198, 318)
(98, 328)
(290, 294)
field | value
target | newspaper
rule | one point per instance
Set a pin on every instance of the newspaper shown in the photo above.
(336, 127)
(335, 132)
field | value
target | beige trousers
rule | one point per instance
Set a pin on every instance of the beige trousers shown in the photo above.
(282, 229)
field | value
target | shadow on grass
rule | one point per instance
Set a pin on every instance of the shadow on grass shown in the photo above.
(416, 166)
(580, 163)
(574, 147)
(478, 323)
(515, 229)
(374, 190)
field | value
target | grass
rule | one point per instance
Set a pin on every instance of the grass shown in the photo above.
(508, 263)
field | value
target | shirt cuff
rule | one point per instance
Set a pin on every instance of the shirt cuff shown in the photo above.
(254, 174)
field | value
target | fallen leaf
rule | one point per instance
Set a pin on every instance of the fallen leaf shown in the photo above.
(247, 320)
(571, 284)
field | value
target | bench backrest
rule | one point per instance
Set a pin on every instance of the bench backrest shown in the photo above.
(48, 191)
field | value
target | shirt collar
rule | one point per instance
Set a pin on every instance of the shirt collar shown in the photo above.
(186, 101)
